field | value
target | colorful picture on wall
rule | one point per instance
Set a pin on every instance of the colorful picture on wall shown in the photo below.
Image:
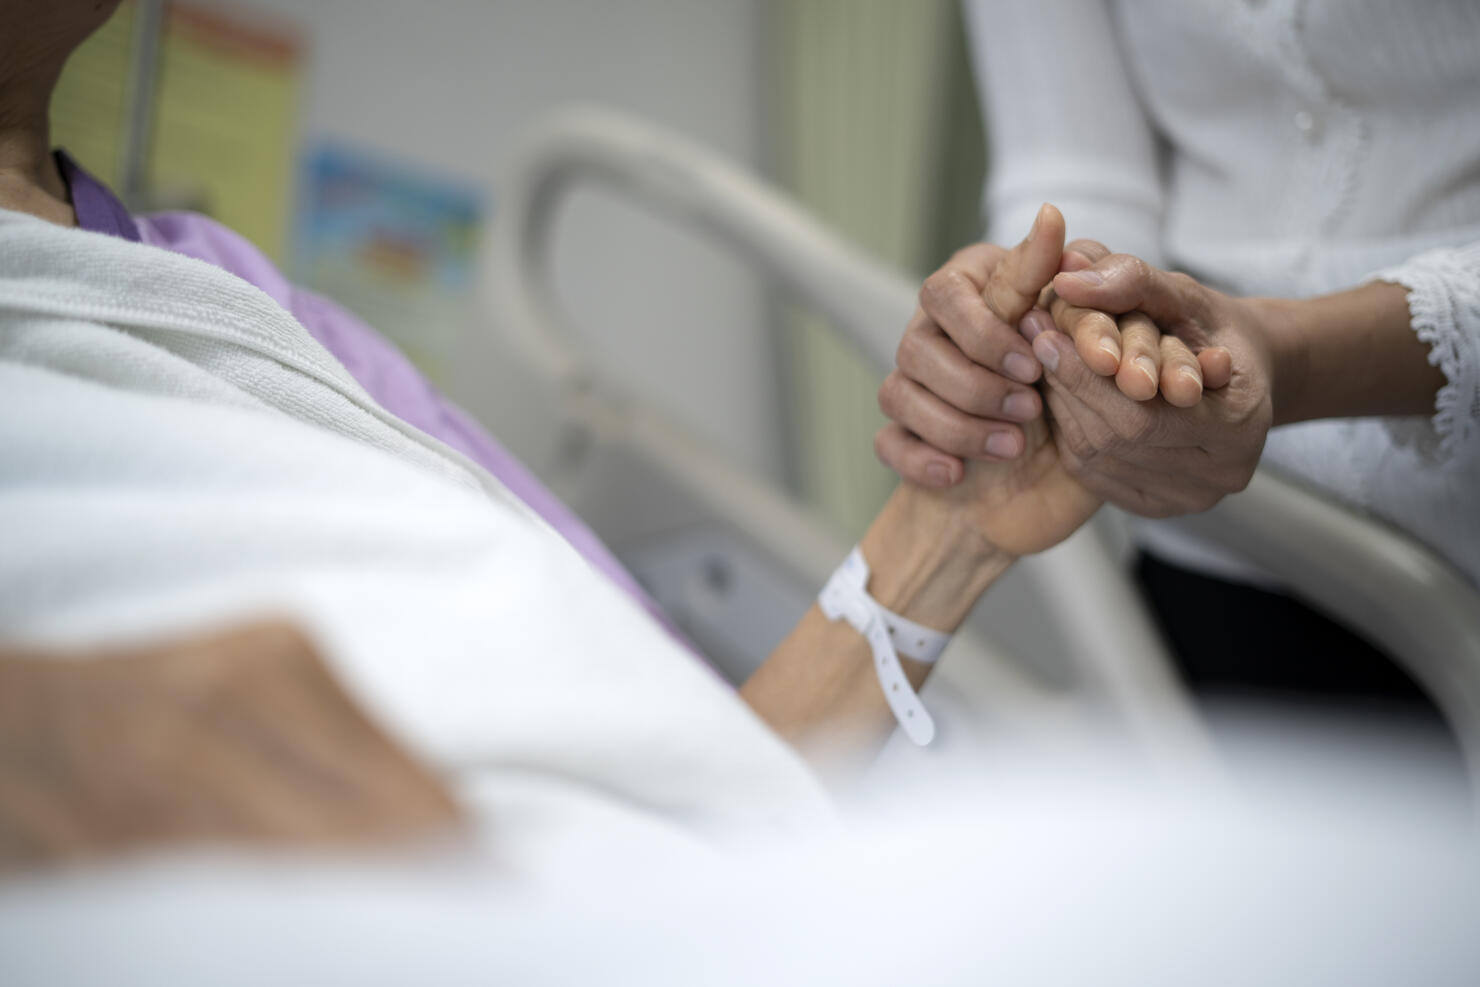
(394, 244)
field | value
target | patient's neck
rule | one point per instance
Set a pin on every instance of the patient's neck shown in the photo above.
(30, 180)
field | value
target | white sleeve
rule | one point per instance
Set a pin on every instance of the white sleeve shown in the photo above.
(1444, 305)
(1064, 124)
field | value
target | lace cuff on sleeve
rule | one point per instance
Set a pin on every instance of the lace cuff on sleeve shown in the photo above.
(1444, 304)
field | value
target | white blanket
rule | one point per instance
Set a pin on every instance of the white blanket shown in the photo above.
(176, 451)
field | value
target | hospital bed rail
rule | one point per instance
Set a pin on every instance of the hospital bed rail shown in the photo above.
(1371, 577)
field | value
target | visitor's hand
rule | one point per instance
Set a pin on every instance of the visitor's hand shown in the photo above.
(1149, 361)
(1153, 458)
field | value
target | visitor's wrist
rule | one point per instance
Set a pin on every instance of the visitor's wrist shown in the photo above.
(1282, 334)
(1349, 353)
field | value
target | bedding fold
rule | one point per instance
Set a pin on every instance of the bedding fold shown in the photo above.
(177, 452)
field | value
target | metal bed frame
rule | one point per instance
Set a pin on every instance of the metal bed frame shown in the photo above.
(731, 555)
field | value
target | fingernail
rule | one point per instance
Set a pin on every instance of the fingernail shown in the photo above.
(1148, 367)
(1033, 323)
(1037, 220)
(1020, 406)
(1091, 278)
(938, 474)
(1020, 368)
(1047, 353)
(1191, 377)
(1004, 445)
(1110, 346)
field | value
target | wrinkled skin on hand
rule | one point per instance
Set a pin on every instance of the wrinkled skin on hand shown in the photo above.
(1028, 502)
(1150, 457)
(1027, 505)
(1159, 388)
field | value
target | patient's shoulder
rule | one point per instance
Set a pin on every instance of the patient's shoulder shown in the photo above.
(206, 239)
(374, 361)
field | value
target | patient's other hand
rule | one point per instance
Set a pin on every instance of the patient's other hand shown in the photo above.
(240, 737)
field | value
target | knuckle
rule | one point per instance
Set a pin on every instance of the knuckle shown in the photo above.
(906, 355)
(1139, 269)
(967, 257)
(889, 395)
(881, 446)
(929, 289)
(1182, 282)
(939, 287)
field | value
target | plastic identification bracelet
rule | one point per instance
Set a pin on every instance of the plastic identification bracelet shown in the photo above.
(889, 635)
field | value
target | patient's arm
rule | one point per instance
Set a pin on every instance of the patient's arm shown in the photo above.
(932, 553)
(238, 737)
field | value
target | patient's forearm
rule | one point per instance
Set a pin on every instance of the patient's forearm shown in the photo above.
(819, 689)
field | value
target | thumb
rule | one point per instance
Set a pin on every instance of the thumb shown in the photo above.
(1122, 283)
(1015, 283)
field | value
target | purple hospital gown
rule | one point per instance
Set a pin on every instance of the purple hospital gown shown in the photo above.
(380, 368)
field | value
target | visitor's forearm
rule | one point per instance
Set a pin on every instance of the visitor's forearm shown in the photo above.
(1349, 354)
(819, 689)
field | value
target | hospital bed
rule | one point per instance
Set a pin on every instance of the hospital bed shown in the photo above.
(1061, 646)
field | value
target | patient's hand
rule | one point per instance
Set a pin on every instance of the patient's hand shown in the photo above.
(1028, 505)
(1022, 504)
(931, 553)
(241, 737)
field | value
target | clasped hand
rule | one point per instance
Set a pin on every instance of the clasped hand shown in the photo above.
(1158, 388)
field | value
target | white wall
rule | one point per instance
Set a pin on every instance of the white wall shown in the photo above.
(450, 83)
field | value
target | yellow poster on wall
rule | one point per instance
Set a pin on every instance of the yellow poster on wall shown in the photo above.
(225, 119)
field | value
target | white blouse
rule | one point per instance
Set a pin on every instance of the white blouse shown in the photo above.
(1283, 147)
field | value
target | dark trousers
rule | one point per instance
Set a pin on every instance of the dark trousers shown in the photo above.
(1237, 647)
(1234, 641)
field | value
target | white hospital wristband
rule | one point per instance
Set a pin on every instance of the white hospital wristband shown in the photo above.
(889, 635)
